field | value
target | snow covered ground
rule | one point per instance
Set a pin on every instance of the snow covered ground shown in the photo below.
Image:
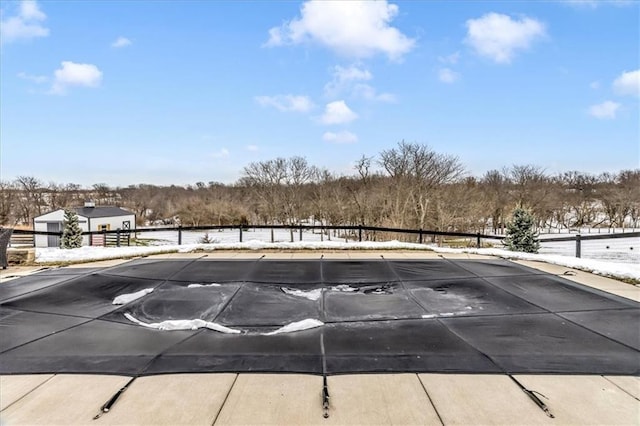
(624, 250)
(603, 267)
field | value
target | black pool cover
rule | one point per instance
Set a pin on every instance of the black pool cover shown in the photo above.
(468, 316)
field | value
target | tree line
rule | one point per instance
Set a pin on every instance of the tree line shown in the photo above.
(407, 186)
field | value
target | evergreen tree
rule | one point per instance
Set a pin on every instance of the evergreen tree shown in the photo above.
(71, 233)
(520, 233)
(206, 239)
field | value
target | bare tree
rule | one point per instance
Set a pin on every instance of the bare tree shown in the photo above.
(278, 184)
(416, 170)
(530, 187)
(578, 191)
(32, 201)
(8, 199)
(494, 187)
(629, 181)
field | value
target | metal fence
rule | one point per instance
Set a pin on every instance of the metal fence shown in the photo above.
(578, 238)
(358, 233)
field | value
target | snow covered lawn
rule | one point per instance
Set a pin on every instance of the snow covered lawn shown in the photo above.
(83, 254)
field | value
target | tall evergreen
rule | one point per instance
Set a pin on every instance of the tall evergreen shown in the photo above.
(520, 232)
(71, 233)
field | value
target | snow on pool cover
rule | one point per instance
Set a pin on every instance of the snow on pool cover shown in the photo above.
(471, 316)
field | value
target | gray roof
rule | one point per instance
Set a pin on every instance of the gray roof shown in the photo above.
(101, 211)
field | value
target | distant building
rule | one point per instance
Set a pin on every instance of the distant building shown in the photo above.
(90, 218)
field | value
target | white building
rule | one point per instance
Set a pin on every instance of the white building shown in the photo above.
(90, 218)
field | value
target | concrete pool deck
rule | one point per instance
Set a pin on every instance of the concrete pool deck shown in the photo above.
(247, 398)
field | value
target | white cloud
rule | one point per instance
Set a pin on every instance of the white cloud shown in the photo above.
(356, 29)
(344, 78)
(340, 137)
(73, 74)
(223, 153)
(121, 42)
(450, 59)
(252, 148)
(605, 110)
(27, 24)
(38, 79)
(595, 85)
(628, 83)
(338, 113)
(365, 91)
(351, 73)
(295, 103)
(29, 10)
(351, 80)
(499, 37)
(447, 75)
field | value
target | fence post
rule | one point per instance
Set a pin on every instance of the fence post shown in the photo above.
(578, 248)
(360, 233)
(118, 237)
(420, 236)
(271, 234)
(240, 233)
(300, 232)
(478, 240)
(104, 238)
(179, 235)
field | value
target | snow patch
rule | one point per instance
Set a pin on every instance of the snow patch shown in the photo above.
(198, 285)
(344, 287)
(314, 294)
(194, 324)
(598, 267)
(447, 314)
(130, 297)
(305, 324)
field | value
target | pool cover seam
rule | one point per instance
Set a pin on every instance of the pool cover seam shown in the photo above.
(43, 337)
(61, 282)
(133, 277)
(408, 294)
(323, 301)
(144, 369)
(166, 280)
(323, 314)
(161, 283)
(18, 296)
(244, 281)
(552, 312)
(446, 317)
(540, 307)
(447, 328)
(343, 321)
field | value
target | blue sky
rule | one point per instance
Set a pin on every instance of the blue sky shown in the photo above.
(168, 92)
